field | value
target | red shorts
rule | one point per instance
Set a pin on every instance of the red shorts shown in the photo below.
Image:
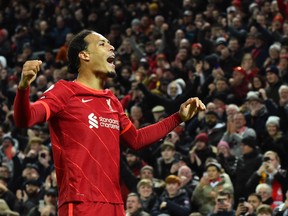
(90, 209)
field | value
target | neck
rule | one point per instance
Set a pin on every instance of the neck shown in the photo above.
(91, 80)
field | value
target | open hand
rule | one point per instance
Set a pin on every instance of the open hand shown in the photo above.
(190, 108)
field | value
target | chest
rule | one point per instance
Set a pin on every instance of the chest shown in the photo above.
(93, 111)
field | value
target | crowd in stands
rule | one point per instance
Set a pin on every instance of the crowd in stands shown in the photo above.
(231, 159)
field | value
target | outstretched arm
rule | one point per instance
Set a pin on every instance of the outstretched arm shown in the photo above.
(137, 139)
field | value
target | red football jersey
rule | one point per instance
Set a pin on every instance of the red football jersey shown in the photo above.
(85, 127)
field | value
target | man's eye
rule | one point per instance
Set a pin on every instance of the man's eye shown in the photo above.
(102, 44)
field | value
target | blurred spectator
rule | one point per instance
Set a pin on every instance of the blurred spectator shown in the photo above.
(47, 205)
(211, 183)
(134, 206)
(274, 83)
(199, 153)
(282, 210)
(275, 140)
(224, 204)
(239, 85)
(59, 32)
(270, 172)
(264, 210)
(248, 163)
(236, 130)
(28, 197)
(174, 200)
(61, 56)
(227, 159)
(147, 196)
(265, 191)
(255, 200)
(259, 108)
(249, 66)
(189, 180)
(214, 127)
(166, 160)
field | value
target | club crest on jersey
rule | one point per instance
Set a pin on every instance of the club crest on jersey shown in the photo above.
(108, 101)
(96, 122)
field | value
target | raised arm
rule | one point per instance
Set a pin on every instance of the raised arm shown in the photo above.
(26, 114)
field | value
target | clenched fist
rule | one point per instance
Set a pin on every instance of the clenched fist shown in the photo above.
(29, 73)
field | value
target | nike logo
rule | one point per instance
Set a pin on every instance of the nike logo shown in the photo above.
(85, 101)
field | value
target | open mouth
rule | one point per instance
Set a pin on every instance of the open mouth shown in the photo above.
(111, 59)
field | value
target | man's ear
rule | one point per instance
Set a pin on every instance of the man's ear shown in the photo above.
(84, 55)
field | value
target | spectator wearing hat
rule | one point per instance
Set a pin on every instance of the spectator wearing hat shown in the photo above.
(147, 195)
(134, 162)
(227, 160)
(236, 130)
(239, 85)
(199, 153)
(248, 163)
(274, 83)
(157, 112)
(29, 196)
(259, 109)
(29, 172)
(211, 183)
(270, 172)
(275, 140)
(174, 201)
(196, 51)
(147, 172)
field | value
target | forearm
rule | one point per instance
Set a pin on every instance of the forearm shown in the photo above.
(25, 114)
(137, 139)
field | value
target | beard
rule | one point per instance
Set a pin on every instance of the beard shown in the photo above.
(111, 74)
(210, 125)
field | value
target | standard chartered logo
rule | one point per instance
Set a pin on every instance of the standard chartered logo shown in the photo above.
(93, 121)
(103, 122)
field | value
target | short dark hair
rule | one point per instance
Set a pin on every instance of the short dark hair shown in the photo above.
(76, 45)
(257, 196)
(225, 193)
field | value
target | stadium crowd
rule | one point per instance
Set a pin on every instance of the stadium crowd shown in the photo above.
(231, 159)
